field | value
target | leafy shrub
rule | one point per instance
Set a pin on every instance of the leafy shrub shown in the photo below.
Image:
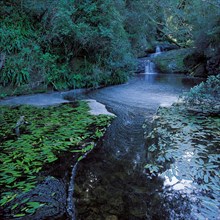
(183, 148)
(55, 74)
(119, 77)
(25, 60)
(206, 94)
(16, 44)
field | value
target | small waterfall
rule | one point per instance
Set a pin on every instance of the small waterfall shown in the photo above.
(150, 67)
(158, 50)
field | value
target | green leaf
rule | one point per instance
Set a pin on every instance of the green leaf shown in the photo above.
(19, 215)
(14, 206)
(34, 205)
(80, 158)
(206, 178)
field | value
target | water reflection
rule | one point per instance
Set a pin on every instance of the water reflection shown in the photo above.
(170, 79)
(150, 78)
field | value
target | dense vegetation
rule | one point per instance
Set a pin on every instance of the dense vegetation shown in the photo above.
(183, 146)
(67, 44)
(72, 43)
(48, 135)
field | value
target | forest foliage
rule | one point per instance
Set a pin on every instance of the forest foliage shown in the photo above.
(183, 146)
(67, 44)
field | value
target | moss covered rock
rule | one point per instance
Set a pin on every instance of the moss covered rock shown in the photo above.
(172, 61)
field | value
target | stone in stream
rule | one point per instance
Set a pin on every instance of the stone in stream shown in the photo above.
(97, 108)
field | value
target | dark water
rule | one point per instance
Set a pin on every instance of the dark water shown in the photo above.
(111, 183)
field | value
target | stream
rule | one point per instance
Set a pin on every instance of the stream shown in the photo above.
(111, 182)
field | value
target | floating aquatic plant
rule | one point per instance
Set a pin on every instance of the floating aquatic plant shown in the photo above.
(184, 146)
(47, 134)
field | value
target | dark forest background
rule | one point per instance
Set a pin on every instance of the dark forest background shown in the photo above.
(66, 44)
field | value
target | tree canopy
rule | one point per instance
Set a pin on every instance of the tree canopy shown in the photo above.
(75, 43)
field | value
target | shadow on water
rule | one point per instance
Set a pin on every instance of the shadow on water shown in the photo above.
(110, 183)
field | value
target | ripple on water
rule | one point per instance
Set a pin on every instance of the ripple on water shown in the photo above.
(111, 183)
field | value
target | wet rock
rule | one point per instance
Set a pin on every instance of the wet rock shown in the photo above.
(213, 65)
(204, 63)
(172, 61)
(51, 193)
(97, 108)
(167, 47)
(196, 63)
(149, 50)
(200, 71)
(142, 62)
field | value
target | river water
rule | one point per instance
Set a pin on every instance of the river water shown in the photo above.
(111, 183)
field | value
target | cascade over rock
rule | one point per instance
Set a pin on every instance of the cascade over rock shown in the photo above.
(145, 64)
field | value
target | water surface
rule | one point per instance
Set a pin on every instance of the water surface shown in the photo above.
(111, 182)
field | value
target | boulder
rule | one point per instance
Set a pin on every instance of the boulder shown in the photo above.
(213, 65)
(167, 47)
(196, 63)
(172, 61)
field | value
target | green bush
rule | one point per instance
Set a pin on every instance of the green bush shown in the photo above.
(208, 91)
(205, 97)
